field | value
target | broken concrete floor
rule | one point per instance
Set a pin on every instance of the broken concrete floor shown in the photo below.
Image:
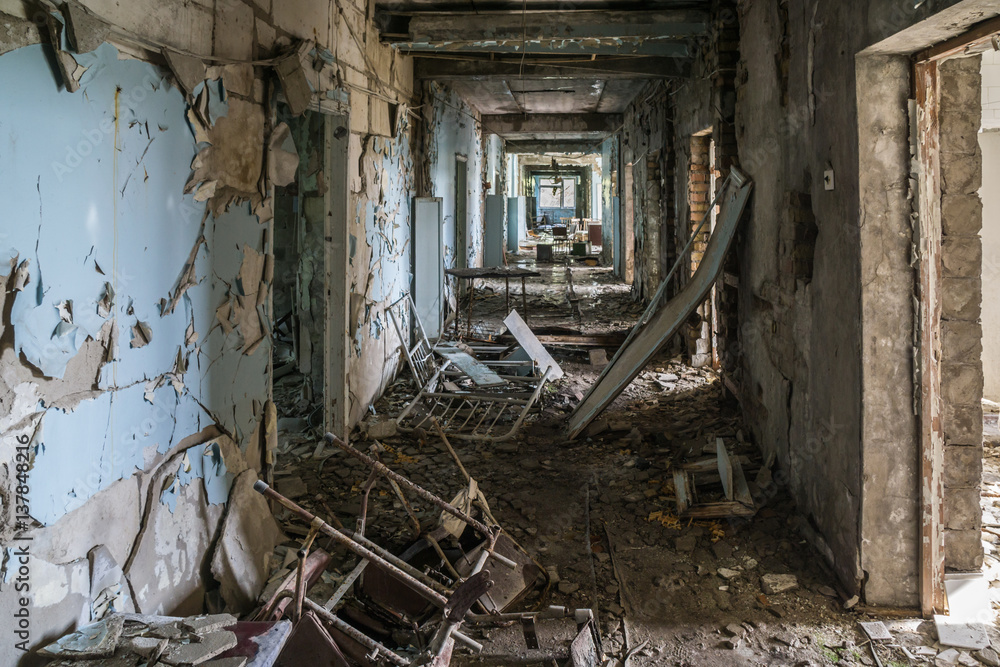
(600, 516)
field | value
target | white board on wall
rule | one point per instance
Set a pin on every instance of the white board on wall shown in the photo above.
(428, 264)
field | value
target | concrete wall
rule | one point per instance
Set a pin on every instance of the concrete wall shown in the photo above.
(135, 363)
(824, 359)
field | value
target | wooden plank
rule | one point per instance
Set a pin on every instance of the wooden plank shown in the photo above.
(475, 369)
(725, 468)
(719, 511)
(980, 35)
(523, 335)
(681, 492)
(931, 430)
(648, 338)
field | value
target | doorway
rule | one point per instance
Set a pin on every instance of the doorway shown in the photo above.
(311, 285)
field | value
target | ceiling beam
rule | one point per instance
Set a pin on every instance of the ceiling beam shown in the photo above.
(568, 123)
(443, 69)
(536, 26)
(530, 147)
(651, 46)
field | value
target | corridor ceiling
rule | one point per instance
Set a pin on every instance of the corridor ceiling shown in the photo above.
(547, 76)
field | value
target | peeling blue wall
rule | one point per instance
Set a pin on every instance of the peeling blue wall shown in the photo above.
(85, 215)
(454, 129)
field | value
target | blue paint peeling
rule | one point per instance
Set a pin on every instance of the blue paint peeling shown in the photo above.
(200, 463)
(86, 214)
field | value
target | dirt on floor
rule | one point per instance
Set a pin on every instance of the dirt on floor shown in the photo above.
(599, 514)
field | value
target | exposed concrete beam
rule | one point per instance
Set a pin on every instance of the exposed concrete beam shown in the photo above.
(536, 26)
(652, 46)
(530, 147)
(442, 69)
(572, 123)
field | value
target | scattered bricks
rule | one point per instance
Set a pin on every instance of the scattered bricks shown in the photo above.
(961, 383)
(963, 424)
(963, 467)
(963, 550)
(962, 510)
(961, 214)
(961, 298)
(961, 341)
(962, 256)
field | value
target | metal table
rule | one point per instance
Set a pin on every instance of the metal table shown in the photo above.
(505, 272)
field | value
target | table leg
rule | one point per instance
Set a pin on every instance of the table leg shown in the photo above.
(472, 295)
(506, 282)
(524, 302)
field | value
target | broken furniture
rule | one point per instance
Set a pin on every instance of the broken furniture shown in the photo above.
(472, 398)
(505, 272)
(454, 608)
(738, 500)
(662, 321)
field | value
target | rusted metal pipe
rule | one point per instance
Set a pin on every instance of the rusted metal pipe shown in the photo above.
(357, 635)
(476, 525)
(353, 545)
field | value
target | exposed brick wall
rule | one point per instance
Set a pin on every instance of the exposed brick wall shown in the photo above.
(961, 331)
(699, 184)
(699, 197)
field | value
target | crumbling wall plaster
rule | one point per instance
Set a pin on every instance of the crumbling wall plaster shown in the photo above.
(454, 128)
(136, 303)
(115, 354)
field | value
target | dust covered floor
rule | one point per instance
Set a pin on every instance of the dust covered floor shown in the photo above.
(599, 513)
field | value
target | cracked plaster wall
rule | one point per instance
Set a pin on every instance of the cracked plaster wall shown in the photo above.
(135, 306)
(452, 128)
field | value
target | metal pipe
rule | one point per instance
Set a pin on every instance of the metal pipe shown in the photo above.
(357, 635)
(355, 546)
(476, 525)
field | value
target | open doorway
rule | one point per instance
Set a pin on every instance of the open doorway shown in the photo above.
(311, 249)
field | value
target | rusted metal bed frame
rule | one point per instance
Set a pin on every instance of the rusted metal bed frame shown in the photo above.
(465, 413)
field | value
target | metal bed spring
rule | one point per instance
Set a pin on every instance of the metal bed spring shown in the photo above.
(473, 415)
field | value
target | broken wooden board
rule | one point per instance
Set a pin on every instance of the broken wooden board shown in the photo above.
(532, 346)
(738, 502)
(651, 334)
(480, 374)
